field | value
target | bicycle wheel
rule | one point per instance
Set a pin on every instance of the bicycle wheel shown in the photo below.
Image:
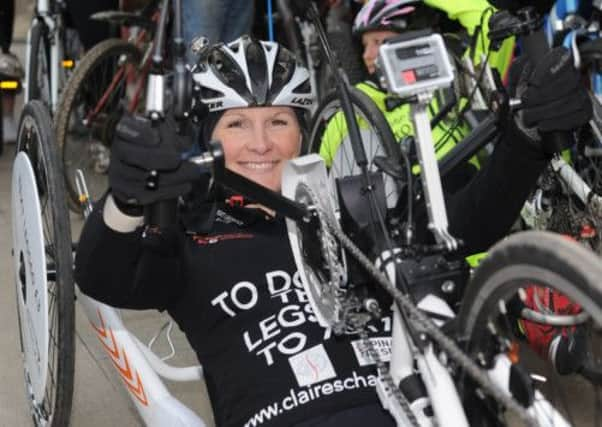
(538, 296)
(329, 138)
(43, 269)
(1, 124)
(348, 54)
(38, 70)
(106, 77)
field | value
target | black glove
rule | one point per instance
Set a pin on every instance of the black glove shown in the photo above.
(141, 155)
(552, 97)
(541, 6)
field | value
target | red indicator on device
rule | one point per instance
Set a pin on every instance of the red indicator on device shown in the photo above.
(408, 76)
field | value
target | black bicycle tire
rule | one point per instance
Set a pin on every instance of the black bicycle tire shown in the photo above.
(39, 32)
(542, 256)
(1, 123)
(368, 108)
(383, 136)
(548, 250)
(64, 286)
(86, 66)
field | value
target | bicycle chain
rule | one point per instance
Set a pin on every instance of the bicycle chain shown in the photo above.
(347, 305)
(426, 326)
(385, 374)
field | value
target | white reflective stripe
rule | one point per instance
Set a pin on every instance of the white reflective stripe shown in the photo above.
(271, 53)
(288, 97)
(230, 98)
(117, 220)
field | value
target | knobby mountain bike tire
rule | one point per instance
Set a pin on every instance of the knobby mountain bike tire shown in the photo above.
(49, 386)
(330, 138)
(510, 305)
(38, 72)
(90, 108)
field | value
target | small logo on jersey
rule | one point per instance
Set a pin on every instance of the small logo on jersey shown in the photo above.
(366, 356)
(221, 216)
(217, 238)
(312, 366)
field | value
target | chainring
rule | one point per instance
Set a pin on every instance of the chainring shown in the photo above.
(318, 255)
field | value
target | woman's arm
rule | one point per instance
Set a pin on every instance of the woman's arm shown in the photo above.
(121, 265)
(483, 212)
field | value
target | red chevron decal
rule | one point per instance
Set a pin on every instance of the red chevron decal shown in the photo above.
(133, 384)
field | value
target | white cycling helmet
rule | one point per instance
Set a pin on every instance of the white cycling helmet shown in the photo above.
(252, 73)
(389, 15)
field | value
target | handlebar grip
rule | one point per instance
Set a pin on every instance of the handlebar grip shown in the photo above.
(162, 214)
(535, 46)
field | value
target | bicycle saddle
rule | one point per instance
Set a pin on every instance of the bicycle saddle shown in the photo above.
(128, 19)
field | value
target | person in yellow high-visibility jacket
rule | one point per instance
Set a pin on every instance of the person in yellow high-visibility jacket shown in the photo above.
(379, 20)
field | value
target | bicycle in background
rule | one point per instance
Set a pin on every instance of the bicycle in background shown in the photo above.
(51, 54)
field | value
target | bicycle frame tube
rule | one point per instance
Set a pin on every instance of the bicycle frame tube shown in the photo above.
(56, 53)
(572, 179)
(541, 410)
(56, 59)
(27, 62)
(156, 406)
(43, 6)
(440, 386)
(433, 191)
(442, 393)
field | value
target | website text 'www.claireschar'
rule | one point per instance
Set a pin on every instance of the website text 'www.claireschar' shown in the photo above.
(298, 397)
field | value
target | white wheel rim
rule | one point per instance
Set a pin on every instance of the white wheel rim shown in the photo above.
(32, 297)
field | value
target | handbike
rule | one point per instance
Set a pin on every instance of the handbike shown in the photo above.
(490, 376)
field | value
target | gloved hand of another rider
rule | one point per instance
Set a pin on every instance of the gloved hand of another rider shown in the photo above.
(142, 153)
(553, 98)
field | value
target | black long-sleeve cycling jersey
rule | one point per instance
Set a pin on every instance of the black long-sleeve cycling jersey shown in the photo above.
(234, 291)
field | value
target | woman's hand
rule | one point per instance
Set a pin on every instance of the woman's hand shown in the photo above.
(146, 165)
(553, 97)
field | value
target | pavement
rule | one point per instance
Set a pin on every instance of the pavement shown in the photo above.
(99, 398)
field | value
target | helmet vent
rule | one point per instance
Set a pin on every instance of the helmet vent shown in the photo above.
(304, 88)
(208, 93)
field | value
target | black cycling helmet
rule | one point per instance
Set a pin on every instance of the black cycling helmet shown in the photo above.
(252, 73)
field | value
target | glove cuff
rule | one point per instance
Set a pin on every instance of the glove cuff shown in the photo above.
(121, 219)
(530, 133)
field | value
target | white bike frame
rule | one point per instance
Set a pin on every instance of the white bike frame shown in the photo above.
(57, 75)
(137, 365)
(141, 369)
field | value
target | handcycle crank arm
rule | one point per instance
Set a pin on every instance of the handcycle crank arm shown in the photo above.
(213, 162)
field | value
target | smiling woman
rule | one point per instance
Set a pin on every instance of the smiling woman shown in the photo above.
(257, 95)
(258, 141)
(225, 271)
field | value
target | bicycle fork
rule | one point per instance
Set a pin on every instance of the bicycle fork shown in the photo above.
(433, 386)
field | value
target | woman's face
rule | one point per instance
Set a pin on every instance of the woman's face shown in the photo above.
(371, 42)
(257, 141)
